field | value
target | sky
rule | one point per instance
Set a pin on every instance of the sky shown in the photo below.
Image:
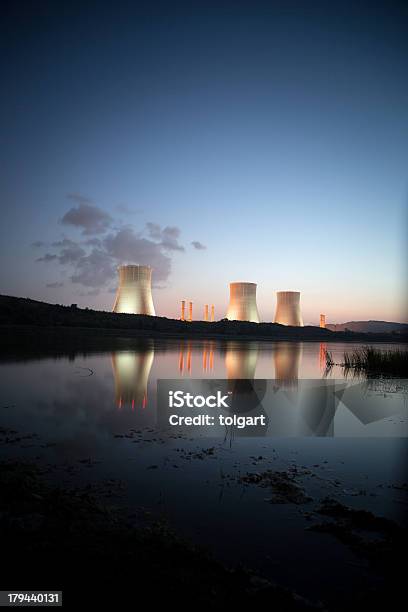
(216, 141)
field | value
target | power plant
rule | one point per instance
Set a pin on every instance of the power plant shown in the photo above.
(288, 308)
(242, 304)
(134, 294)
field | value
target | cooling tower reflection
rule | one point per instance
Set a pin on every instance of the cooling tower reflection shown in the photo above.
(287, 358)
(131, 371)
(247, 393)
(241, 359)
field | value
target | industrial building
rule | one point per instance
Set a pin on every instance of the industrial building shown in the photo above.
(134, 294)
(288, 308)
(242, 304)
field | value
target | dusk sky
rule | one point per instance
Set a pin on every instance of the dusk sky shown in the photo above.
(217, 141)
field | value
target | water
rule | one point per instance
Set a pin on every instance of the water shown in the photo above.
(94, 417)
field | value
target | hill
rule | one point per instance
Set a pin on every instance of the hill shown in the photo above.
(375, 327)
(21, 313)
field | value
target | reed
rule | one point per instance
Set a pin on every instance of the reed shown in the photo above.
(373, 361)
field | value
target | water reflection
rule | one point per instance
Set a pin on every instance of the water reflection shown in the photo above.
(208, 356)
(131, 370)
(187, 353)
(322, 356)
(287, 360)
(241, 359)
(124, 385)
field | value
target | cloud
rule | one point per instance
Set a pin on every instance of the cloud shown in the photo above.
(170, 239)
(91, 292)
(47, 257)
(37, 244)
(92, 261)
(97, 267)
(70, 251)
(168, 236)
(87, 217)
(125, 246)
(71, 254)
(55, 285)
(126, 210)
(154, 230)
(94, 270)
(64, 242)
(80, 199)
(93, 242)
(198, 245)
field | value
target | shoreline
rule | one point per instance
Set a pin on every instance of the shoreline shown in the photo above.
(129, 332)
(23, 317)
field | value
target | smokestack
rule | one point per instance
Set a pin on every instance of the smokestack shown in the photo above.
(134, 294)
(183, 310)
(212, 313)
(288, 308)
(190, 311)
(242, 305)
(323, 321)
(206, 312)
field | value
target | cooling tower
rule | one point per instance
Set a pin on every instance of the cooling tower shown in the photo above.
(288, 308)
(242, 304)
(134, 294)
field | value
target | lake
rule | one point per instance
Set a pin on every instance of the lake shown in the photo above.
(92, 418)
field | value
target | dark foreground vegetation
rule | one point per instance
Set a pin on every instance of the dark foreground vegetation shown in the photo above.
(28, 313)
(105, 557)
(373, 362)
(67, 540)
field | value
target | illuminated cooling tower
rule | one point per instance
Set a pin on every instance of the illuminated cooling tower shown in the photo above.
(134, 294)
(288, 308)
(242, 304)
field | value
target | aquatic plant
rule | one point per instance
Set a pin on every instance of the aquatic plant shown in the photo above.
(373, 361)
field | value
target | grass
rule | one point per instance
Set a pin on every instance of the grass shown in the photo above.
(372, 361)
